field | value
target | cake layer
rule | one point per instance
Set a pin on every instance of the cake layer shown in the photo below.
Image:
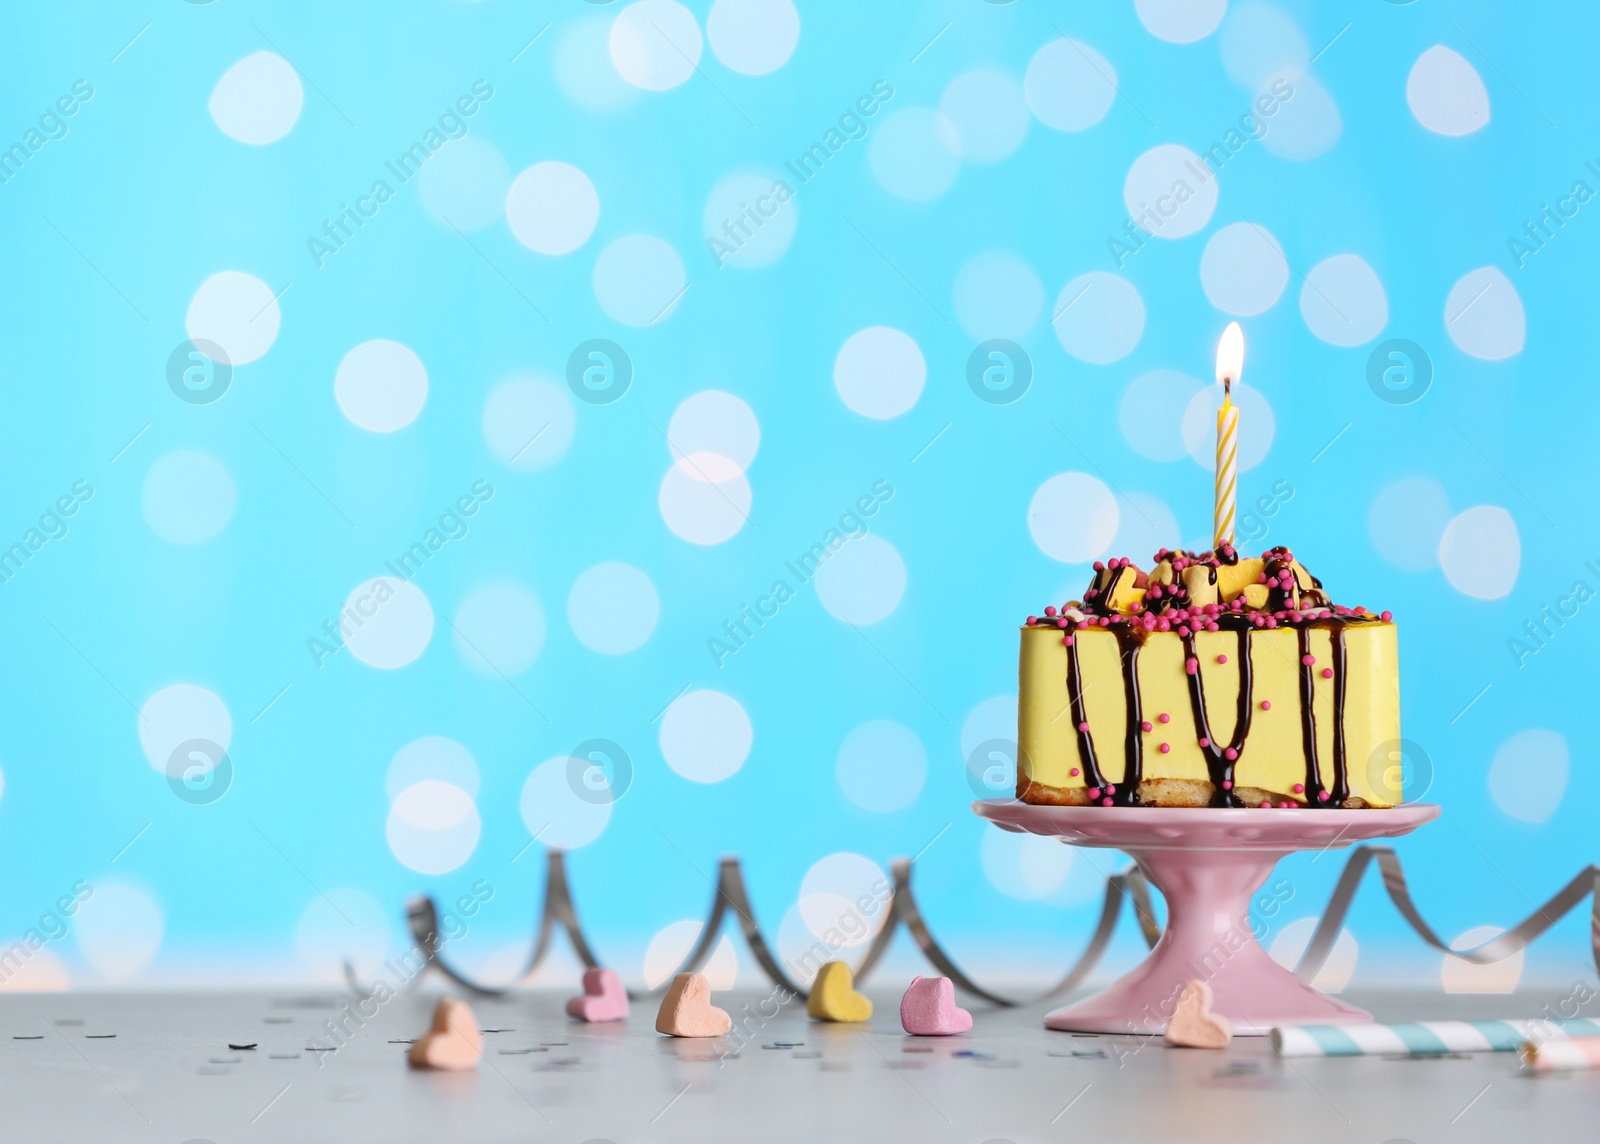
(1337, 757)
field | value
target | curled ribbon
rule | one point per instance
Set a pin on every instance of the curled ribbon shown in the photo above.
(559, 911)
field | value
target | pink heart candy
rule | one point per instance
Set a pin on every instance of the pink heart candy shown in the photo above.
(603, 997)
(929, 1009)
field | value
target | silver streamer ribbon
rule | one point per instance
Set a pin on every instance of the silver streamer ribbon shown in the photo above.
(423, 920)
(1507, 944)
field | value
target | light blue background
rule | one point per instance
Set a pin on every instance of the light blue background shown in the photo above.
(113, 228)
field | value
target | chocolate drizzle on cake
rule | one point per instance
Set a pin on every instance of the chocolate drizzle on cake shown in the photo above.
(1127, 793)
(1080, 719)
(1220, 761)
(1187, 593)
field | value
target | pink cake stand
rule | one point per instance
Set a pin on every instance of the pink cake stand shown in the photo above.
(1207, 864)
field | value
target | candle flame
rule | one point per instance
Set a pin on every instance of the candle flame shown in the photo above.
(1230, 356)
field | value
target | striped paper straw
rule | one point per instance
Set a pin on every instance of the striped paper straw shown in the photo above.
(1562, 1054)
(1423, 1037)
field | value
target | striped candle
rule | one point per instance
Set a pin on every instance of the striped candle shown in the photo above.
(1230, 360)
(1562, 1054)
(1424, 1037)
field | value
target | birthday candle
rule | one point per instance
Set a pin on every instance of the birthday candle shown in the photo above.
(1230, 360)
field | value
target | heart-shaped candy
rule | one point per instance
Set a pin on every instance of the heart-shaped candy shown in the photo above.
(603, 998)
(452, 1042)
(929, 1008)
(687, 1011)
(1193, 1025)
(834, 998)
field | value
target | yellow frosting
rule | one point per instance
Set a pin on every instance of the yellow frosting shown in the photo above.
(1273, 756)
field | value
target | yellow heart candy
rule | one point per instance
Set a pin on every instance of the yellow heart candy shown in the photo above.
(834, 998)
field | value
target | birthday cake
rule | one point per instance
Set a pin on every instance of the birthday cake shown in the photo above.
(1210, 680)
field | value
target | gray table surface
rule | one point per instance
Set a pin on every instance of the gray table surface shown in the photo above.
(168, 1075)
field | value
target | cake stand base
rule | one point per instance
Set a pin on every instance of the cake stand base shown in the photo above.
(1207, 864)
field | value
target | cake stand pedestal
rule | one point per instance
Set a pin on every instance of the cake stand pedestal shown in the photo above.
(1207, 863)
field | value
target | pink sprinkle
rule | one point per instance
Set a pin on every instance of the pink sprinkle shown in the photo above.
(1191, 665)
(1327, 673)
(1267, 805)
(1066, 641)
(1145, 726)
(1308, 660)
(1322, 796)
(1266, 705)
(1032, 620)
(1073, 772)
(1183, 631)
(1222, 659)
(1062, 622)
(1212, 626)
(1227, 784)
(1050, 609)
(1299, 788)
(1105, 802)
(1163, 718)
(1084, 727)
(1082, 624)
(1105, 621)
(1099, 567)
(1111, 788)
(1205, 742)
(1230, 754)
(1094, 792)
(1386, 617)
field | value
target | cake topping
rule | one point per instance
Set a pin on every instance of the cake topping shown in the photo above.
(1204, 592)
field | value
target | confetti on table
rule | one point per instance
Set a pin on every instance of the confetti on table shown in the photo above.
(559, 1064)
